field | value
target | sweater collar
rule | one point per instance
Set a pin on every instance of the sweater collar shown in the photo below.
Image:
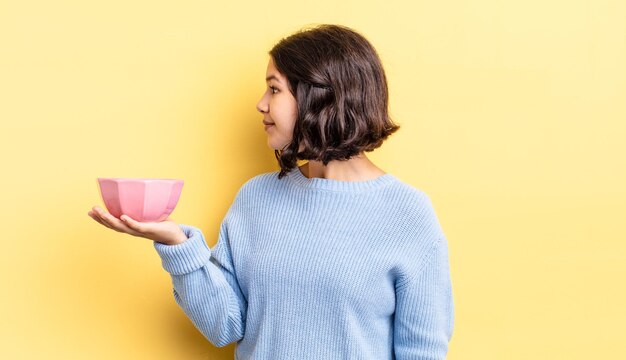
(298, 177)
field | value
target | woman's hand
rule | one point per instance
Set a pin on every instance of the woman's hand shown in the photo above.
(165, 232)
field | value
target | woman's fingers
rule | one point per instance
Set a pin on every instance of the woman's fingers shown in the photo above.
(114, 223)
(166, 232)
(95, 216)
(105, 218)
(133, 225)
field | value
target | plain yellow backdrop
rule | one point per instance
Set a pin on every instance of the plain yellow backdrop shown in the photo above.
(513, 121)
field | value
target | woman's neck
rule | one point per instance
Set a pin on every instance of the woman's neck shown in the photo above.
(358, 168)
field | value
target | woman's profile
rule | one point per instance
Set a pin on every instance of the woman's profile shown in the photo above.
(332, 259)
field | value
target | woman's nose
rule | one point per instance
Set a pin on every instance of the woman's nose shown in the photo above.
(261, 107)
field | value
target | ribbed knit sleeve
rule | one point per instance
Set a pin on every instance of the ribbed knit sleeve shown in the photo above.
(205, 286)
(424, 318)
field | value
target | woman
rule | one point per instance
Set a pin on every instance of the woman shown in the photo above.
(333, 259)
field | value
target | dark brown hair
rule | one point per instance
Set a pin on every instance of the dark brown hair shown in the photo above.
(340, 88)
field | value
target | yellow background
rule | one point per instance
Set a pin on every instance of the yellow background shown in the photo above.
(513, 121)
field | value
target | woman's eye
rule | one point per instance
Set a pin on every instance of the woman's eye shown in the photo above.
(273, 88)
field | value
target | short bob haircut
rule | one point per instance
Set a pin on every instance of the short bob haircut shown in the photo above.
(340, 88)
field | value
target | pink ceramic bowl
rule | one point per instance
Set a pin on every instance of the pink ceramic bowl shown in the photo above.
(141, 199)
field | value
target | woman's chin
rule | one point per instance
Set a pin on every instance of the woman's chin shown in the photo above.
(272, 145)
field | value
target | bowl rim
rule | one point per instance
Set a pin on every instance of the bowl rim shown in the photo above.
(138, 179)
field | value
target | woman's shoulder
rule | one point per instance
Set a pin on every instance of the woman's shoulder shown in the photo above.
(415, 205)
(259, 183)
(251, 193)
(410, 193)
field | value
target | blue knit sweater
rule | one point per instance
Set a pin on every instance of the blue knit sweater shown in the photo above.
(319, 269)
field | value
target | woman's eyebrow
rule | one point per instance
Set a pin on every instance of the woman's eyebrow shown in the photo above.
(272, 77)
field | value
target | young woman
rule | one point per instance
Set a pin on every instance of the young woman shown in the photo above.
(333, 259)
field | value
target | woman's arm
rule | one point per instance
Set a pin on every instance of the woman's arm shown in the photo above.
(205, 286)
(424, 318)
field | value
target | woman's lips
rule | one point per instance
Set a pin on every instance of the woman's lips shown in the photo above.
(268, 124)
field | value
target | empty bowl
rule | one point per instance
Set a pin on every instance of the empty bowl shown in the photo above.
(141, 199)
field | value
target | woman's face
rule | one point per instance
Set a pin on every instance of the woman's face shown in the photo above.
(278, 107)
